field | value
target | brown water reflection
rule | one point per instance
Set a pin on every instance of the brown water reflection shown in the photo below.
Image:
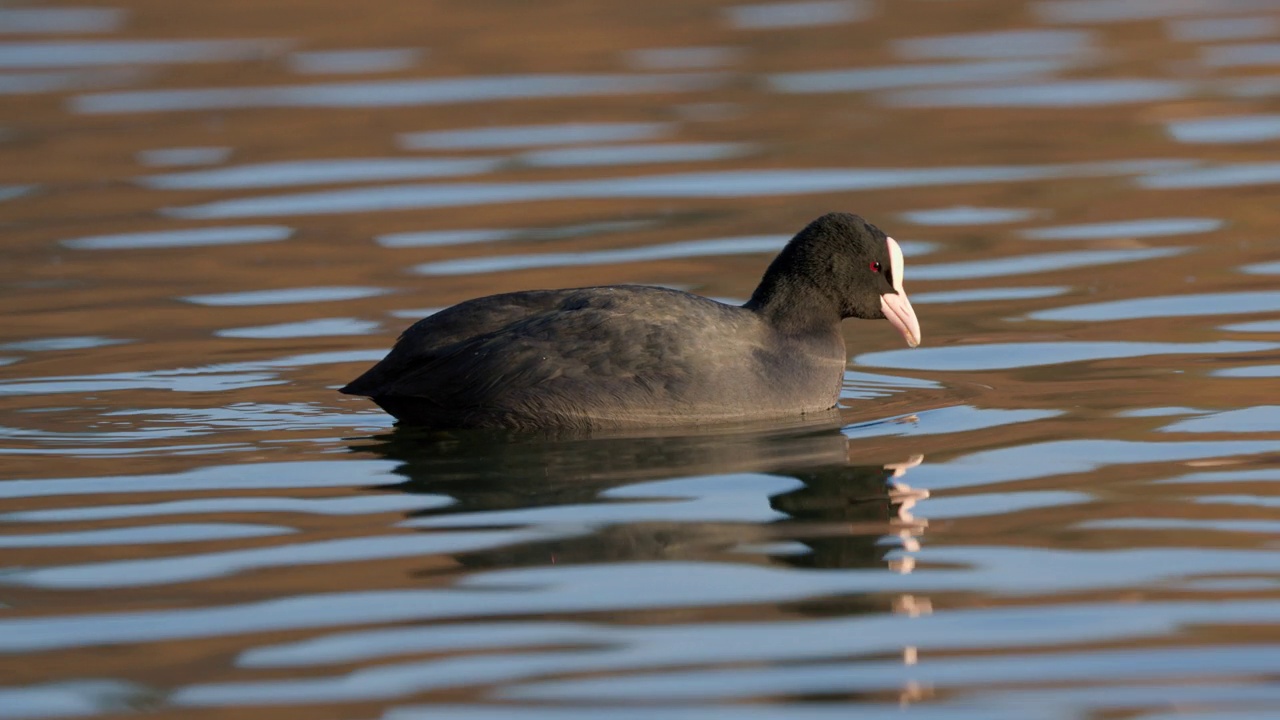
(215, 214)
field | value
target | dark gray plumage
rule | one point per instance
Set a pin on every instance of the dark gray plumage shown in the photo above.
(633, 356)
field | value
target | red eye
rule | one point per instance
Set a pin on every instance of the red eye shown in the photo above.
(875, 266)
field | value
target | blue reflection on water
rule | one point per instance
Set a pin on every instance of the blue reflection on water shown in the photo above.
(1006, 356)
(1147, 227)
(1042, 262)
(987, 295)
(1227, 303)
(179, 156)
(67, 53)
(1260, 418)
(1260, 326)
(11, 192)
(643, 154)
(38, 20)
(869, 676)
(392, 93)
(1230, 175)
(1271, 268)
(320, 172)
(682, 58)
(1057, 93)
(967, 215)
(287, 295)
(646, 585)
(1223, 28)
(1227, 129)
(1113, 11)
(894, 76)
(191, 237)
(203, 566)
(142, 535)
(726, 184)
(1255, 371)
(352, 62)
(509, 136)
(49, 81)
(78, 342)
(1243, 54)
(693, 248)
(805, 13)
(253, 476)
(999, 44)
(320, 327)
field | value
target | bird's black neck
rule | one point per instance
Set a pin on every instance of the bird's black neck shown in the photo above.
(794, 306)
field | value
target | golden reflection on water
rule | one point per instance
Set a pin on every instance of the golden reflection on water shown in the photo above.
(215, 214)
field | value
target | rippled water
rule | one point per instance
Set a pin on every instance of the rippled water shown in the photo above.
(1063, 505)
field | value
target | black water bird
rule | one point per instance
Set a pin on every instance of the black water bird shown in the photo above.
(630, 356)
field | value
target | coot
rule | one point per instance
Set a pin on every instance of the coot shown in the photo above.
(630, 356)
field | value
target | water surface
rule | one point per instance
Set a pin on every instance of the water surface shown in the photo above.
(1063, 505)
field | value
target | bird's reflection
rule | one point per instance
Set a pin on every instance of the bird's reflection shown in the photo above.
(844, 506)
(837, 514)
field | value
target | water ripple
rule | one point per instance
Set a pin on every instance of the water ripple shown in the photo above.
(959, 418)
(253, 476)
(1260, 418)
(1227, 129)
(1232, 175)
(438, 238)
(15, 21)
(144, 535)
(192, 237)
(999, 44)
(1242, 54)
(1271, 268)
(73, 698)
(179, 156)
(320, 172)
(642, 154)
(1257, 371)
(682, 58)
(1052, 94)
(1043, 262)
(1007, 356)
(1228, 303)
(391, 93)
(354, 62)
(599, 588)
(1259, 326)
(1259, 527)
(725, 184)
(1145, 228)
(13, 192)
(334, 506)
(509, 136)
(966, 215)
(694, 248)
(1069, 457)
(287, 296)
(1109, 11)
(209, 378)
(52, 81)
(805, 13)
(203, 566)
(57, 344)
(322, 327)
(60, 53)
(857, 677)
(887, 77)
(987, 295)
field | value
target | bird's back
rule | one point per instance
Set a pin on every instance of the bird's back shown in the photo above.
(598, 357)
